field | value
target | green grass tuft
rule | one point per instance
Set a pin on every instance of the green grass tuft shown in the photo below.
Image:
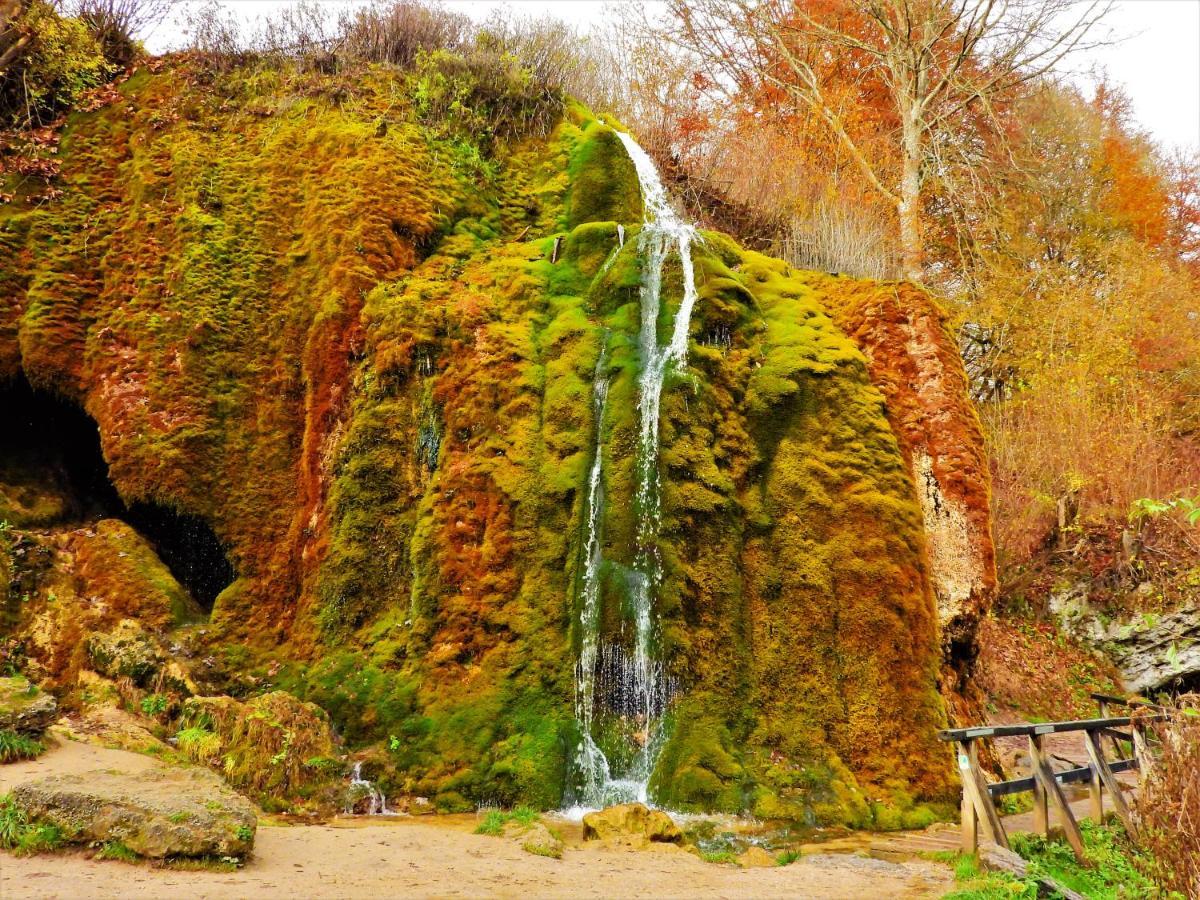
(118, 851)
(787, 857)
(494, 820)
(22, 837)
(14, 747)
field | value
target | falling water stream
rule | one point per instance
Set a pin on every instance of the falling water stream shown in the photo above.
(632, 682)
(361, 789)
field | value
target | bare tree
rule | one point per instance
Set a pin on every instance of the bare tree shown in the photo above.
(118, 24)
(935, 60)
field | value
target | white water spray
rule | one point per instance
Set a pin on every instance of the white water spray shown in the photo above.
(635, 684)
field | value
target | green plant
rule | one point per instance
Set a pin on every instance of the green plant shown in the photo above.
(1149, 508)
(154, 705)
(494, 820)
(15, 746)
(23, 837)
(1113, 869)
(118, 851)
(245, 833)
(787, 857)
(198, 743)
(178, 817)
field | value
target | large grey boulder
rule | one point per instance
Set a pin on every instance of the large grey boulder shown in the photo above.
(160, 813)
(24, 707)
(1151, 650)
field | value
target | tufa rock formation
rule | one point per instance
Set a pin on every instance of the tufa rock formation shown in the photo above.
(342, 376)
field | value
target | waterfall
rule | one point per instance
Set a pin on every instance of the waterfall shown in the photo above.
(633, 685)
(363, 790)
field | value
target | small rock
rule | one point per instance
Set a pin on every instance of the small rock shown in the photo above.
(25, 707)
(632, 824)
(755, 858)
(160, 813)
(536, 839)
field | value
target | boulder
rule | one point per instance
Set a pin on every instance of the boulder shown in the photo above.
(160, 814)
(632, 824)
(24, 707)
(1151, 650)
(125, 652)
(274, 744)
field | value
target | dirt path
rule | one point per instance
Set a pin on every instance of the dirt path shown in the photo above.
(428, 857)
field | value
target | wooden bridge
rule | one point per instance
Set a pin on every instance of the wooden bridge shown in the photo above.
(1113, 745)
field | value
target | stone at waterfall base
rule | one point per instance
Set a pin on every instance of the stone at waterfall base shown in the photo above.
(631, 825)
(536, 839)
(162, 813)
(756, 857)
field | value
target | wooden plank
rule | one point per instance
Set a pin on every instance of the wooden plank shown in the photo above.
(1109, 780)
(994, 731)
(1041, 809)
(1106, 699)
(1045, 777)
(1070, 776)
(976, 786)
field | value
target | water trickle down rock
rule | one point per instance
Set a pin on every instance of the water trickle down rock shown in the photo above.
(363, 797)
(633, 682)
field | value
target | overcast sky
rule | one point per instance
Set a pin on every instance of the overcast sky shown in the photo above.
(1157, 60)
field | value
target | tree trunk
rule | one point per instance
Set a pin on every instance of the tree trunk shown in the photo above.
(909, 206)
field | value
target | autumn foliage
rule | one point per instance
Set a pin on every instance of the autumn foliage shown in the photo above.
(1064, 241)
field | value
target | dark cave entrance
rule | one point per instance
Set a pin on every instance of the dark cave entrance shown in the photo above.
(50, 451)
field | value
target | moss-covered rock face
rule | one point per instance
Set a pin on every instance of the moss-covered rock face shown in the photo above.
(296, 312)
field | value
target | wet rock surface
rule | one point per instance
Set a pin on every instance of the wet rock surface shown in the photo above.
(24, 707)
(161, 813)
(631, 824)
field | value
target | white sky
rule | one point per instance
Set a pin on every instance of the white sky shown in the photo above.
(1157, 60)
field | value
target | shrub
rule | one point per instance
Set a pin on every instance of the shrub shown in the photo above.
(116, 24)
(401, 31)
(1168, 805)
(61, 60)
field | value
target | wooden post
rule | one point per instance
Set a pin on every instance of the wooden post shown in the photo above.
(970, 822)
(1101, 771)
(1140, 751)
(975, 790)
(1041, 815)
(1044, 774)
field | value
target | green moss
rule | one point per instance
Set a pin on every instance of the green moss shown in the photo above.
(604, 185)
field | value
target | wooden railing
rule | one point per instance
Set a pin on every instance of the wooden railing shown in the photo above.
(979, 811)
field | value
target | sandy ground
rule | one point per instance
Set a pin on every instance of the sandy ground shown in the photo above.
(430, 857)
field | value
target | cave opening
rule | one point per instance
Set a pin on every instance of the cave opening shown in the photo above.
(53, 472)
